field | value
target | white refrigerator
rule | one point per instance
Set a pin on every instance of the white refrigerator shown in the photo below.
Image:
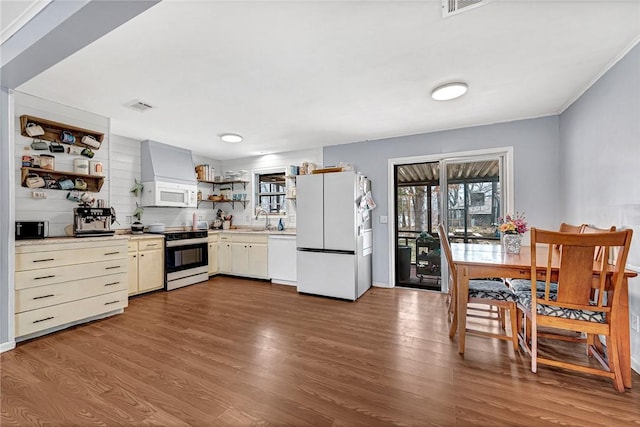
(334, 241)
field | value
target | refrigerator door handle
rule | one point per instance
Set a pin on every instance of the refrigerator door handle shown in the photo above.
(327, 251)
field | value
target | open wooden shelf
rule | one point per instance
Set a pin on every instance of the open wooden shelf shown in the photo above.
(232, 202)
(232, 182)
(94, 183)
(53, 131)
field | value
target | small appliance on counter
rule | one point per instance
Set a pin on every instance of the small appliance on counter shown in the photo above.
(32, 229)
(91, 222)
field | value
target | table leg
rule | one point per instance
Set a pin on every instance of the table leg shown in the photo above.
(463, 297)
(620, 321)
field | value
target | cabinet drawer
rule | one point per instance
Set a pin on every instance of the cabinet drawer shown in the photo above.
(144, 245)
(132, 246)
(48, 276)
(37, 320)
(44, 296)
(213, 238)
(251, 238)
(36, 260)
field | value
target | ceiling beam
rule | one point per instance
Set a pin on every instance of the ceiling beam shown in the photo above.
(59, 30)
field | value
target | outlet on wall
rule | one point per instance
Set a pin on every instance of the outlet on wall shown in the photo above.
(635, 325)
(38, 194)
(128, 219)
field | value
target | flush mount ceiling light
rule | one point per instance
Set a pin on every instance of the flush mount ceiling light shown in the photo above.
(449, 91)
(231, 137)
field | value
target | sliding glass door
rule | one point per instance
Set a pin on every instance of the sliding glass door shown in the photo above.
(466, 193)
(474, 199)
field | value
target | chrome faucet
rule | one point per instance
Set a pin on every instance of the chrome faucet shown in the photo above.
(260, 210)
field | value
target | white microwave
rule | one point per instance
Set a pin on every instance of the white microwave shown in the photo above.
(169, 194)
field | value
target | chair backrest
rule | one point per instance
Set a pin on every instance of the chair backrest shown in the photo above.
(570, 228)
(577, 267)
(589, 229)
(446, 248)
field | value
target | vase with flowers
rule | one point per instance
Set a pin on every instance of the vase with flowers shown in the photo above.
(512, 228)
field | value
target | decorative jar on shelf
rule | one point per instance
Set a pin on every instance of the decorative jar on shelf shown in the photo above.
(511, 243)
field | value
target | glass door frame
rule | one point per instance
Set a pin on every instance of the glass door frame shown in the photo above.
(505, 154)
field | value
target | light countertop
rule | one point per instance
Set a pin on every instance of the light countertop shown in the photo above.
(69, 239)
(285, 232)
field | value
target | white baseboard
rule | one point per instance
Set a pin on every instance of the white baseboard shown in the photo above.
(635, 365)
(381, 285)
(6, 346)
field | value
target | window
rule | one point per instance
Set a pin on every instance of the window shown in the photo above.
(271, 192)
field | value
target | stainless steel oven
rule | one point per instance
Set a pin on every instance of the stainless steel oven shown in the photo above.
(186, 258)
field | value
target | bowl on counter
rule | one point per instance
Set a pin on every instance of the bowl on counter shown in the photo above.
(157, 227)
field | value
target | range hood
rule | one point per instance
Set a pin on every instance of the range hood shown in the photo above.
(166, 163)
(168, 175)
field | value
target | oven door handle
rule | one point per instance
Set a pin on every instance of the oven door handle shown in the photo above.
(185, 242)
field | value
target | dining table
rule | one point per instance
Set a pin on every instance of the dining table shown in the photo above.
(477, 260)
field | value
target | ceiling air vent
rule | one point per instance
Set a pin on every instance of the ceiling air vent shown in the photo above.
(139, 106)
(453, 7)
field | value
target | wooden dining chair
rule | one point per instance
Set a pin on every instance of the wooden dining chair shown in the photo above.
(488, 292)
(524, 285)
(593, 340)
(570, 307)
(570, 228)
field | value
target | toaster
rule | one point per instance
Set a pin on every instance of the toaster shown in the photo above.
(32, 229)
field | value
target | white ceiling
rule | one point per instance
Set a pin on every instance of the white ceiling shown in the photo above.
(300, 74)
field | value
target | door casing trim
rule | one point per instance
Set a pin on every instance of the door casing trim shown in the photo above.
(507, 187)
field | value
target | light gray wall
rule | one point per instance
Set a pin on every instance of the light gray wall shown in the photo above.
(600, 157)
(536, 168)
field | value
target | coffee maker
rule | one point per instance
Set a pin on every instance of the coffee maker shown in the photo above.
(91, 222)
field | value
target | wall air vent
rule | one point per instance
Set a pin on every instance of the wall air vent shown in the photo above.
(453, 7)
(139, 106)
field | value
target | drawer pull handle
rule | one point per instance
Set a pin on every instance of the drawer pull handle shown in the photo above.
(113, 253)
(112, 267)
(44, 296)
(43, 320)
(111, 284)
(44, 260)
(44, 277)
(152, 244)
(112, 302)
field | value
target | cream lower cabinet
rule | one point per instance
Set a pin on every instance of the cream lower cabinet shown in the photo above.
(58, 284)
(224, 254)
(249, 255)
(213, 254)
(146, 264)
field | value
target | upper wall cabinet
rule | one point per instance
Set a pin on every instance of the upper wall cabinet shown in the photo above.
(53, 131)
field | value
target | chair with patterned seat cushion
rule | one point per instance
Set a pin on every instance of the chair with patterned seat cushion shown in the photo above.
(487, 292)
(524, 285)
(573, 268)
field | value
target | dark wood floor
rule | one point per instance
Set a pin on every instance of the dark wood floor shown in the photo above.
(239, 352)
